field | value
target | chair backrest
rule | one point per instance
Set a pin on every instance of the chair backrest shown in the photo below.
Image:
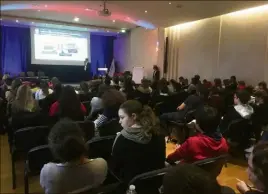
(37, 157)
(110, 127)
(22, 74)
(40, 74)
(30, 73)
(164, 107)
(88, 128)
(213, 165)
(30, 137)
(100, 147)
(149, 182)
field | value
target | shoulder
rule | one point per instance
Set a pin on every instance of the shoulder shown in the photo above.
(48, 169)
(99, 163)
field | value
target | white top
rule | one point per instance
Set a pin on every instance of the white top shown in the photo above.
(39, 95)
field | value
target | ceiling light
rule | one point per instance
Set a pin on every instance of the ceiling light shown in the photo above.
(123, 30)
(17, 21)
(169, 3)
(76, 19)
(0, 19)
(107, 31)
(32, 22)
(45, 5)
(113, 21)
(38, 10)
(145, 11)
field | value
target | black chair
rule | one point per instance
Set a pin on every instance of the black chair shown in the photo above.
(107, 189)
(101, 147)
(30, 74)
(149, 182)
(24, 140)
(110, 127)
(213, 165)
(36, 159)
(88, 128)
(163, 107)
(239, 132)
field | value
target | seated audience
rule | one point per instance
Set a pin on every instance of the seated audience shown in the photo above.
(262, 86)
(190, 179)
(46, 103)
(68, 105)
(138, 148)
(145, 87)
(259, 117)
(174, 86)
(241, 109)
(233, 81)
(6, 87)
(111, 100)
(54, 82)
(191, 103)
(75, 172)
(43, 92)
(84, 94)
(257, 171)
(128, 88)
(241, 85)
(182, 82)
(16, 83)
(35, 86)
(215, 100)
(218, 84)
(115, 82)
(207, 84)
(96, 102)
(207, 144)
(192, 87)
(24, 101)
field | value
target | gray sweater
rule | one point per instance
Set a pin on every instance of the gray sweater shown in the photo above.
(61, 178)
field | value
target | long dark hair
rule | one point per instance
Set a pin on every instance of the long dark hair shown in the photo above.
(69, 104)
(145, 115)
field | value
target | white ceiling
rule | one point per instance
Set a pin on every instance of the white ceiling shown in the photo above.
(159, 13)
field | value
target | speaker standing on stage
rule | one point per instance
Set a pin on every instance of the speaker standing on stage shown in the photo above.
(156, 74)
(86, 67)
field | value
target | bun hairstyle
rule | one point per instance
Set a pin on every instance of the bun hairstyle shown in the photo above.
(66, 141)
(144, 115)
(260, 164)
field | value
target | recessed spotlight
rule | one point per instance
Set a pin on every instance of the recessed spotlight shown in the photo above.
(145, 11)
(0, 19)
(32, 22)
(169, 3)
(107, 31)
(113, 21)
(123, 30)
(87, 9)
(17, 21)
(38, 10)
(76, 19)
(45, 5)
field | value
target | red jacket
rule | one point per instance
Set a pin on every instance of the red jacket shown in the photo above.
(55, 108)
(199, 147)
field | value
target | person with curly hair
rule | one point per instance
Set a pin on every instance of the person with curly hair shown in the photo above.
(74, 172)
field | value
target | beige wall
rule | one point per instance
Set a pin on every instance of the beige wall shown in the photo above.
(232, 44)
(138, 48)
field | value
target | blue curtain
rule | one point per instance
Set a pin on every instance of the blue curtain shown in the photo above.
(15, 49)
(101, 48)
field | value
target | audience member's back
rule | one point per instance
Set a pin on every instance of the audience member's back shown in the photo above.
(75, 172)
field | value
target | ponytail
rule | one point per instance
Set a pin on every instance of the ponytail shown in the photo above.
(148, 120)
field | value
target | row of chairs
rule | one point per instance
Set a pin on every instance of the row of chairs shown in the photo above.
(32, 74)
(148, 182)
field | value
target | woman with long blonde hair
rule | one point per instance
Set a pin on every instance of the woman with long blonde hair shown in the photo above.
(24, 100)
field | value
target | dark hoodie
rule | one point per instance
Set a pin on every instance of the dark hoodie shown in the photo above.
(200, 147)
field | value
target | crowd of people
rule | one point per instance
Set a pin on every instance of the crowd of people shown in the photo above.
(140, 146)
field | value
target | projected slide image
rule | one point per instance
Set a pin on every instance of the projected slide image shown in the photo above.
(51, 45)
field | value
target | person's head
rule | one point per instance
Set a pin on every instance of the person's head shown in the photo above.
(155, 68)
(133, 112)
(112, 98)
(258, 167)
(128, 85)
(197, 77)
(233, 79)
(205, 81)
(181, 79)
(241, 97)
(5, 76)
(226, 82)
(24, 97)
(208, 119)
(145, 83)
(163, 86)
(194, 81)
(189, 179)
(66, 141)
(57, 90)
(55, 81)
(44, 87)
(217, 82)
(107, 81)
(84, 87)
(8, 81)
(69, 103)
(16, 83)
(261, 97)
(86, 59)
(262, 86)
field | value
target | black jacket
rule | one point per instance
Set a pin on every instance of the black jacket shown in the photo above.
(156, 75)
(130, 158)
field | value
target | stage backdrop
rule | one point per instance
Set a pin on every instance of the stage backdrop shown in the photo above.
(16, 55)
